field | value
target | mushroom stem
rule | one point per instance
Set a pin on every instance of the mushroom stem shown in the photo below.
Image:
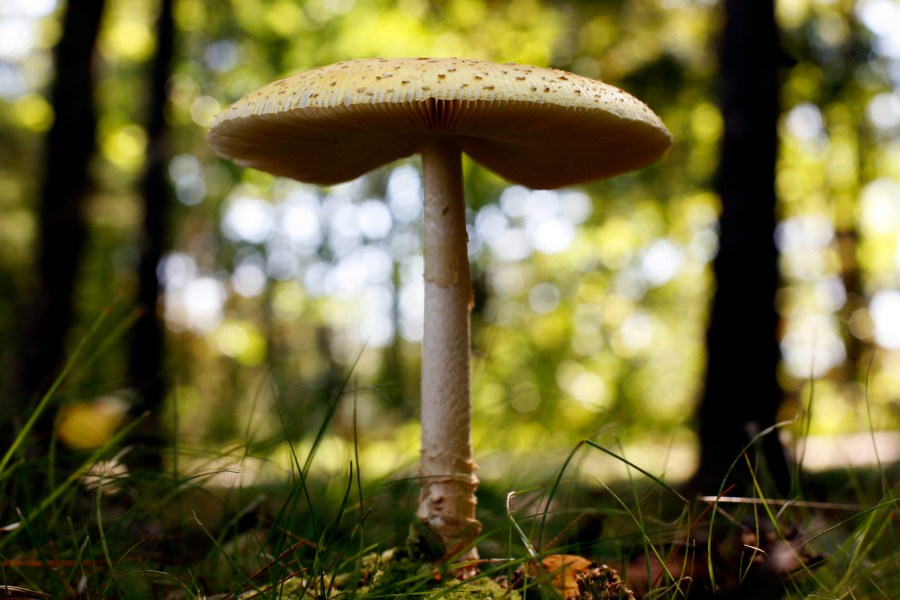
(447, 471)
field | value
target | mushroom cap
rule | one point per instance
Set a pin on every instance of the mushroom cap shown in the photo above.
(543, 128)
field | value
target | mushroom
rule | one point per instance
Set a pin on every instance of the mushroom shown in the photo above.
(543, 128)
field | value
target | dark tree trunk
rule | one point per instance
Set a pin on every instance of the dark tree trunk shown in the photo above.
(146, 372)
(742, 394)
(47, 313)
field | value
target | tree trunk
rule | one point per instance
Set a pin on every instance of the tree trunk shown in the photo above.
(742, 394)
(146, 372)
(70, 144)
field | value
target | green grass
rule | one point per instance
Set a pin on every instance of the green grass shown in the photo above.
(161, 536)
(70, 530)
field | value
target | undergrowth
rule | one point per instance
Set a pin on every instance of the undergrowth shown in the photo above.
(93, 525)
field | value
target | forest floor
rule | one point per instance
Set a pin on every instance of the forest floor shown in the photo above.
(98, 529)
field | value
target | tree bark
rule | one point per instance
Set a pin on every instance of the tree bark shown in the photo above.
(48, 311)
(146, 370)
(742, 395)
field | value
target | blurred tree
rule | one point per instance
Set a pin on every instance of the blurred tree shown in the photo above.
(742, 394)
(146, 350)
(47, 312)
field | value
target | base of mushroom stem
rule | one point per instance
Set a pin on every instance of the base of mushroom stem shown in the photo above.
(459, 558)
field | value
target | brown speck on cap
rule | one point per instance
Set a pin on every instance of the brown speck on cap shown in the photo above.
(518, 124)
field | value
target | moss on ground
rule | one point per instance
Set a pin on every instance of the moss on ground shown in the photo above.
(394, 574)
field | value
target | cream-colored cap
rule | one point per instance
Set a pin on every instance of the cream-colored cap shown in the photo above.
(543, 128)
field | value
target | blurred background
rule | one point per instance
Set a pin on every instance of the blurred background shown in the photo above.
(235, 306)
